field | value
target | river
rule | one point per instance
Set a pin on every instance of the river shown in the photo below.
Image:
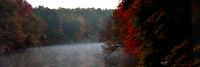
(69, 55)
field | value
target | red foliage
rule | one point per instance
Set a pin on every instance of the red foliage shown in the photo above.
(106, 34)
(126, 19)
(23, 7)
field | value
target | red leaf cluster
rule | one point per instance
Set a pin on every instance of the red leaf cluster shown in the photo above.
(24, 7)
(126, 21)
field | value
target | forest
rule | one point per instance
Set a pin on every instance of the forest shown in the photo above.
(22, 26)
(157, 32)
(154, 33)
(72, 25)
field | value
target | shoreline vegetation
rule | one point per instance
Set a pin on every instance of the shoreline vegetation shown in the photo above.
(22, 26)
(161, 33)
(154, 33)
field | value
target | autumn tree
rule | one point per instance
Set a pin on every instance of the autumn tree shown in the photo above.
(155, 31)
(19, 27)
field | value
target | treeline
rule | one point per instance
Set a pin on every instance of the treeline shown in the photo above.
(72, 25)
(19, 28)
(159, 33)
(22, 26)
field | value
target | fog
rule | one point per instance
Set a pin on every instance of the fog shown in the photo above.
(69, 55)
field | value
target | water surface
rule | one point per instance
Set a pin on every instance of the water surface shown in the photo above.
(69, 55)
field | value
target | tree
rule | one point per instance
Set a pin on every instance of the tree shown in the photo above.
(155, 31)
(19, 27)
(72, 25)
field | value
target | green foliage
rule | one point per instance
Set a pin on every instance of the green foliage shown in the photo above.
(51, 18)
(72, 25)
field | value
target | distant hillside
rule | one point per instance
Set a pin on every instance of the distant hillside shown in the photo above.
(72, 25)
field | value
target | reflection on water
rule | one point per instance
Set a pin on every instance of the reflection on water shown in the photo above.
(76, 55)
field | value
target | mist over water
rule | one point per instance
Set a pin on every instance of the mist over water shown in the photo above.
(69, 55)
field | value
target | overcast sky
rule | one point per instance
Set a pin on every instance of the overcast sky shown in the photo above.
(109, 4)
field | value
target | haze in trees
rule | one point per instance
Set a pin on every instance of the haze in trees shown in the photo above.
(72, 25)
(154, 33)
(22, 26)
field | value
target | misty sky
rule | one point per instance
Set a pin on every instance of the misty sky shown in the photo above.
(109, 4)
